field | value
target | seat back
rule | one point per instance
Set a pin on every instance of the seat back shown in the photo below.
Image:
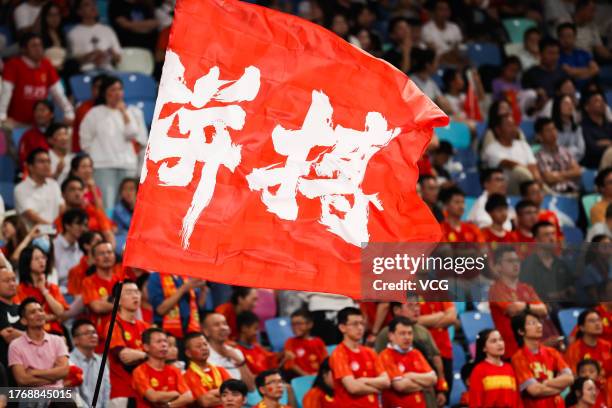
(473, 322)
(568, 319)
(279, 331)
(134, 59)
(301, 385)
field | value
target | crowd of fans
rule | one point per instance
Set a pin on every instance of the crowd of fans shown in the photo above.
(537, 122)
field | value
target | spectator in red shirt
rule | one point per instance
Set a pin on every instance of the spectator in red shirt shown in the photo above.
(258, 358)
(233, 393)
(304, 352)
(81, 166)
(532, 192)
(526, 218)
(497, 208)
(453, 229)
(270, 386)
(26, 79)
(34, 137)
(242, 300)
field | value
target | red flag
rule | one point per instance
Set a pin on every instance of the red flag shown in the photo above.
(277, 149)
(471, 105)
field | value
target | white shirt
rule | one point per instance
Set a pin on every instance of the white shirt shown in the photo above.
(66, 257)
(83, 39)
(442, 40)
(479, 216)
(108, 140)
(55, 159)
(328, 302)
(2, 209)
(25, 15)
(45, 199)
(91, 368)
(519, 152)
(218, 360)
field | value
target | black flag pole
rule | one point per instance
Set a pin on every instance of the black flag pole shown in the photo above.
(117, 294)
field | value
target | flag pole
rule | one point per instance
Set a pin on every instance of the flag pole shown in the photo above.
(117, 294)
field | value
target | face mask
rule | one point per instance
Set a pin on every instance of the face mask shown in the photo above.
(43, 242)
(399, 349)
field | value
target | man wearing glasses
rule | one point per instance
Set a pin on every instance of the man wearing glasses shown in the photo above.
(85, 338)
(358, 377)
(270, 386)
(509, 297)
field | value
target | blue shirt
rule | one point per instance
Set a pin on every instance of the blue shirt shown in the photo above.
(122, 217)
(91, 368)
(156, 297)
(576, 59)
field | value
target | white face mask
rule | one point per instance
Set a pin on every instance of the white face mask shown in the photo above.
(399, 349)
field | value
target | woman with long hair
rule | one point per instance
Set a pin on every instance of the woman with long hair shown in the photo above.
(16, 237)
(321, 395)
(113, 133)
(52, 33)
(583, 394)
(242, 300)
(34, 269)
(81, 166)
(569, 132)
(503, 392)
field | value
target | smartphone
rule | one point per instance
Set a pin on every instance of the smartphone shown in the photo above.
(47, 229)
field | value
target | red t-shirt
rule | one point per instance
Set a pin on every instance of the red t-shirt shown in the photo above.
(522, 248)
(30, 85)
(440, 335)
(309, 353)
(213, 378)
(147, 378)
(258, 359)
(493, 386)
(602, 353)
(96, 288)
(606, 321)
(500, 298)
(25, 290)
(345, 362)
(467, 232)
(316, 398)
(492, 237)
(125, 334)
(541, 366)
(397, 365)
(79, 114)
(32, 139)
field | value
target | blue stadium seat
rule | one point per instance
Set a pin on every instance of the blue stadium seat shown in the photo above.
(103, 10)
(484, 54)
(516, 27)
(81, 86)
(527, 126)
(469, 203)
(589, 201)
(147, 107)
(279, 331)
(609, 97)
(473, 322)
(568, 319)
(469, 182)
(567, 205)
(6, 32)
(457, 391)
(301, 385)
(331, 348)
(459, 357)
(138, 86)
(7, 169)
(573, 235)
(437, 78)
(481, 129)
(17, 134)
(467, 157)
(588, 180)
(456, 133)
(6, 191)
(605, 75)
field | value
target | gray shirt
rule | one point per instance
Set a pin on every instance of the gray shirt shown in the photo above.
(91, 367)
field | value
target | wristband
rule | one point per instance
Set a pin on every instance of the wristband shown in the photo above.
(441, 385)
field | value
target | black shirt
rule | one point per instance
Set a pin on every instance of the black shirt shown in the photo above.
(593, 133)
(135, 10)
(538, 77)
(9, 316)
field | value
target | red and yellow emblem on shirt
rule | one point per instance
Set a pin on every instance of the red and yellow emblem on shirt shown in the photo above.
(128, 336)
(154, 382)
(103, 292)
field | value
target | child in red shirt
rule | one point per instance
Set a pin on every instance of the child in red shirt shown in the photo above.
(304, 353)
(258, 359)
(497, 208)
(321, 395)
(156, 382)
(34, 137)
(591, 369)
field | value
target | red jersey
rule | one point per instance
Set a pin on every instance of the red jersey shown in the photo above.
(540, 366)
(200, 381)
(79, 114)
(369, 311)
(500, 297)
(606, 321)
(32, 139)
(262, 404)
(25, 290)
(146, 378)
(396, 365)
(316, 398)
(550, 216)
(31, 83)
(228, 310)
(76, 275)
(309, 353)
(493, 386)
(491, 236)
(440, 335)
(258, 359)
(345, 362)
(125, 334)
(522, 249)
(96, 288)
(467, 232)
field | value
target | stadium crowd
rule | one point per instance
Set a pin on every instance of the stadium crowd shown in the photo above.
(527, 158)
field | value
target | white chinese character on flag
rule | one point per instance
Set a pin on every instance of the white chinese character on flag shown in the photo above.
(192, 123)
(339, 168)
